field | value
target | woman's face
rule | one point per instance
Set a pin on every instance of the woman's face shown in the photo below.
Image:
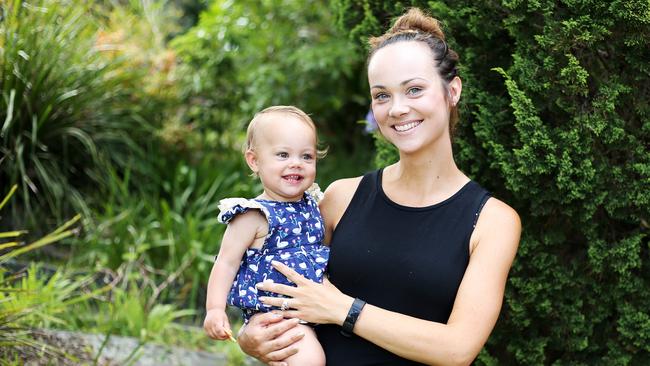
(408, 97)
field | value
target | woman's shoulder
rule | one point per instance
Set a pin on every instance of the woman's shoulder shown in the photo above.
(338, 196)
(498, 224)
(341, 191)
(342, 186)
(497, 210)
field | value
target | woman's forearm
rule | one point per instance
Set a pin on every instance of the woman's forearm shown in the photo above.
(415, 339)
(474, 314)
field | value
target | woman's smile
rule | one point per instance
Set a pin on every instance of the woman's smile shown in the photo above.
(406, 126)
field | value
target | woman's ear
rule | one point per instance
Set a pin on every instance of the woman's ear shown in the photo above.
(251, 160)
(455, 88)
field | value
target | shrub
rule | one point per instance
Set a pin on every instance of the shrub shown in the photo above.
(555, 121)
(63, 105)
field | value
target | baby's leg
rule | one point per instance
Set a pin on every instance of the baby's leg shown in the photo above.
(310, 352)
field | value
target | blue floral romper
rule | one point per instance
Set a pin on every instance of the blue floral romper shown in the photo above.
(295, 236)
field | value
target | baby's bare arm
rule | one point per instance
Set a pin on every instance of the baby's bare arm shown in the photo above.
(240, 234)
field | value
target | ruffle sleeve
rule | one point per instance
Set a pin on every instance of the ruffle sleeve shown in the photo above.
(231, 207)
(315, 192)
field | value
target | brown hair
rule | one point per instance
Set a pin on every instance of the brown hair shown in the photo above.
(417, 26)
(286, 109)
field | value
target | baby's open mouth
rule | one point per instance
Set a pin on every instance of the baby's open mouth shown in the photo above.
(293, 178)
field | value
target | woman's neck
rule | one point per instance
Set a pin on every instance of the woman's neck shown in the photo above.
(423, 178)
(427, 165)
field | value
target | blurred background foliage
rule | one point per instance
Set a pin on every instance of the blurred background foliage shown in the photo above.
(245, 55)
(133, 113)
(65, 110)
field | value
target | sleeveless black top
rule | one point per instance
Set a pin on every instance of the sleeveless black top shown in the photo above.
(410, 260)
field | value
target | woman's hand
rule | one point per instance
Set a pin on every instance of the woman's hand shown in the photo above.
(309, 301)
(269, 338)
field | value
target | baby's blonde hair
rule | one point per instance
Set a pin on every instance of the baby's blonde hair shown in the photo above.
(286, 109)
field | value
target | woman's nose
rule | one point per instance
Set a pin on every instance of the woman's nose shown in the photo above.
(398, 108)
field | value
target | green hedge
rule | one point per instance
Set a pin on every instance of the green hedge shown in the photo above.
(555, 121)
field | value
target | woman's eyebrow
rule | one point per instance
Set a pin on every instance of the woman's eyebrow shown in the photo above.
(401, 84)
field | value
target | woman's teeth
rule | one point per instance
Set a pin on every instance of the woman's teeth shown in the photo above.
(408, 126)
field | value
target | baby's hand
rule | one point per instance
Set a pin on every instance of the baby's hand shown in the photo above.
(216, 324)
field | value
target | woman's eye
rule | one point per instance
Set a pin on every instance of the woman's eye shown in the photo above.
(414, 91)
(380, 97)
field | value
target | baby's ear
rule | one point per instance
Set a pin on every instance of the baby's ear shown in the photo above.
(251, 160)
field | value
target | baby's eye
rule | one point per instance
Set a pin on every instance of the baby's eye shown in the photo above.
(308, 156)
(282, 155)
(414, 91)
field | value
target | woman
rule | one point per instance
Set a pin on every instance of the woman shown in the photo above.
(419, 253)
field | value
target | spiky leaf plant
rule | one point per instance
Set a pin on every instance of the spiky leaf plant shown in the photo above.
(25, 297)
(61, 106)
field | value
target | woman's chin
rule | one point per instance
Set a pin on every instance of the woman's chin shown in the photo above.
(408, 147)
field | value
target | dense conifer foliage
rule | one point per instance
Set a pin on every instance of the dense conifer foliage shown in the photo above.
(555, 121)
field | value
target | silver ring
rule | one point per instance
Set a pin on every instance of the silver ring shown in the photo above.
(285, 305)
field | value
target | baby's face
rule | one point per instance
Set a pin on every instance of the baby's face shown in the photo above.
(284, 156)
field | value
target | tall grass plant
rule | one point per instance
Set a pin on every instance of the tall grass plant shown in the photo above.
(64, 109)
(167, 238)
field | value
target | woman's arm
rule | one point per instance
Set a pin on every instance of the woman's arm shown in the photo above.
(475, 311)
(265, 336)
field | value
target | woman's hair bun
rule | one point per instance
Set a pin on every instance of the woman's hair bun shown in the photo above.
(415, 20)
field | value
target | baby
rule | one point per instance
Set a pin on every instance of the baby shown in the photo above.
(282, 224)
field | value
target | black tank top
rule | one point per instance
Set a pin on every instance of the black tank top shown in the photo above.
(410, 260)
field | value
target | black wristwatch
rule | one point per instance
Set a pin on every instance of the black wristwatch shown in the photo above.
(351, 319)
